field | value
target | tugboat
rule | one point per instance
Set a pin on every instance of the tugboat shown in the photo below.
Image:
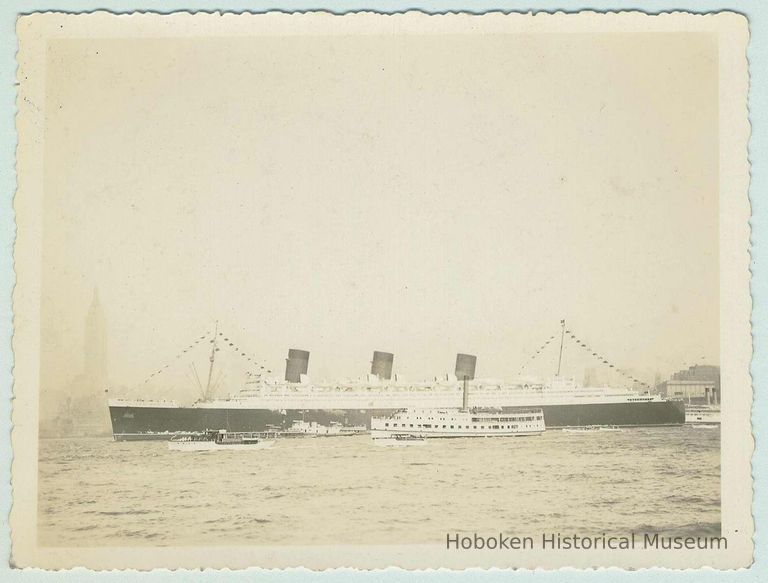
(301, 428)
(708, 415)
(584, 429)
(400, 439)
(220, 440)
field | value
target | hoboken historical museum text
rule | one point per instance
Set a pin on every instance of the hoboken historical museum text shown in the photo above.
(566, 542)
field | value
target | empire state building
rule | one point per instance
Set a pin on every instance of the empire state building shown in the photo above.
(95, 345)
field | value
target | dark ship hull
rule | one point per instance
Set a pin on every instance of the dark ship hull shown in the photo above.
(156, 423)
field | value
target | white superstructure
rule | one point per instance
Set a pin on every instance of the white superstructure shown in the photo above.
(372, 393)
(458, 423)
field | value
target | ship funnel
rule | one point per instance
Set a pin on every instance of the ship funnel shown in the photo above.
(381, 365)
(465, 366)
(296, 364)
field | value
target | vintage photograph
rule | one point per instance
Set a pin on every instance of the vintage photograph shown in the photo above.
(461, 291)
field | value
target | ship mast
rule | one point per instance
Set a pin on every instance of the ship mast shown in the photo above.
(562, 337)
(211, 359)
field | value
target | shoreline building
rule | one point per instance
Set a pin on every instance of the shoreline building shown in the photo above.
(698, 384)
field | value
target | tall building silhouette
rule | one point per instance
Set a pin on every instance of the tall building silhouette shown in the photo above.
(80, 404)
(95, 344)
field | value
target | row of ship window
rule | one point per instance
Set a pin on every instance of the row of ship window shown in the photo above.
(531, 418)
(491, 419)
(429, 426)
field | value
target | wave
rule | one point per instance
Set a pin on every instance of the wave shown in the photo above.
(687, 529)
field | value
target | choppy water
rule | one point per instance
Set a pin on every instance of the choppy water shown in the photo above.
(346, 490)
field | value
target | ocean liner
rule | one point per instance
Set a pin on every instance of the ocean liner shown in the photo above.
(266, 403)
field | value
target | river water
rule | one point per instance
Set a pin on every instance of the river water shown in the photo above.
(345, 490)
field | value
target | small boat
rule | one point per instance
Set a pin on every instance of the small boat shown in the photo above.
(702, 414)
(301, 428)
(585, 429)
(220, 440)
(400, 439)
(703, 426)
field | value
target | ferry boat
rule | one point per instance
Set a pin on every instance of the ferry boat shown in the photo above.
(702, 414)
(265, 401)
(220, 440)
(433, 423)
(463, 422)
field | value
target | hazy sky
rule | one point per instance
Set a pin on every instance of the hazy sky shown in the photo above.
(422, 195)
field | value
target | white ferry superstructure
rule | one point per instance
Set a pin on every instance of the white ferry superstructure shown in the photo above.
(448, 423)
